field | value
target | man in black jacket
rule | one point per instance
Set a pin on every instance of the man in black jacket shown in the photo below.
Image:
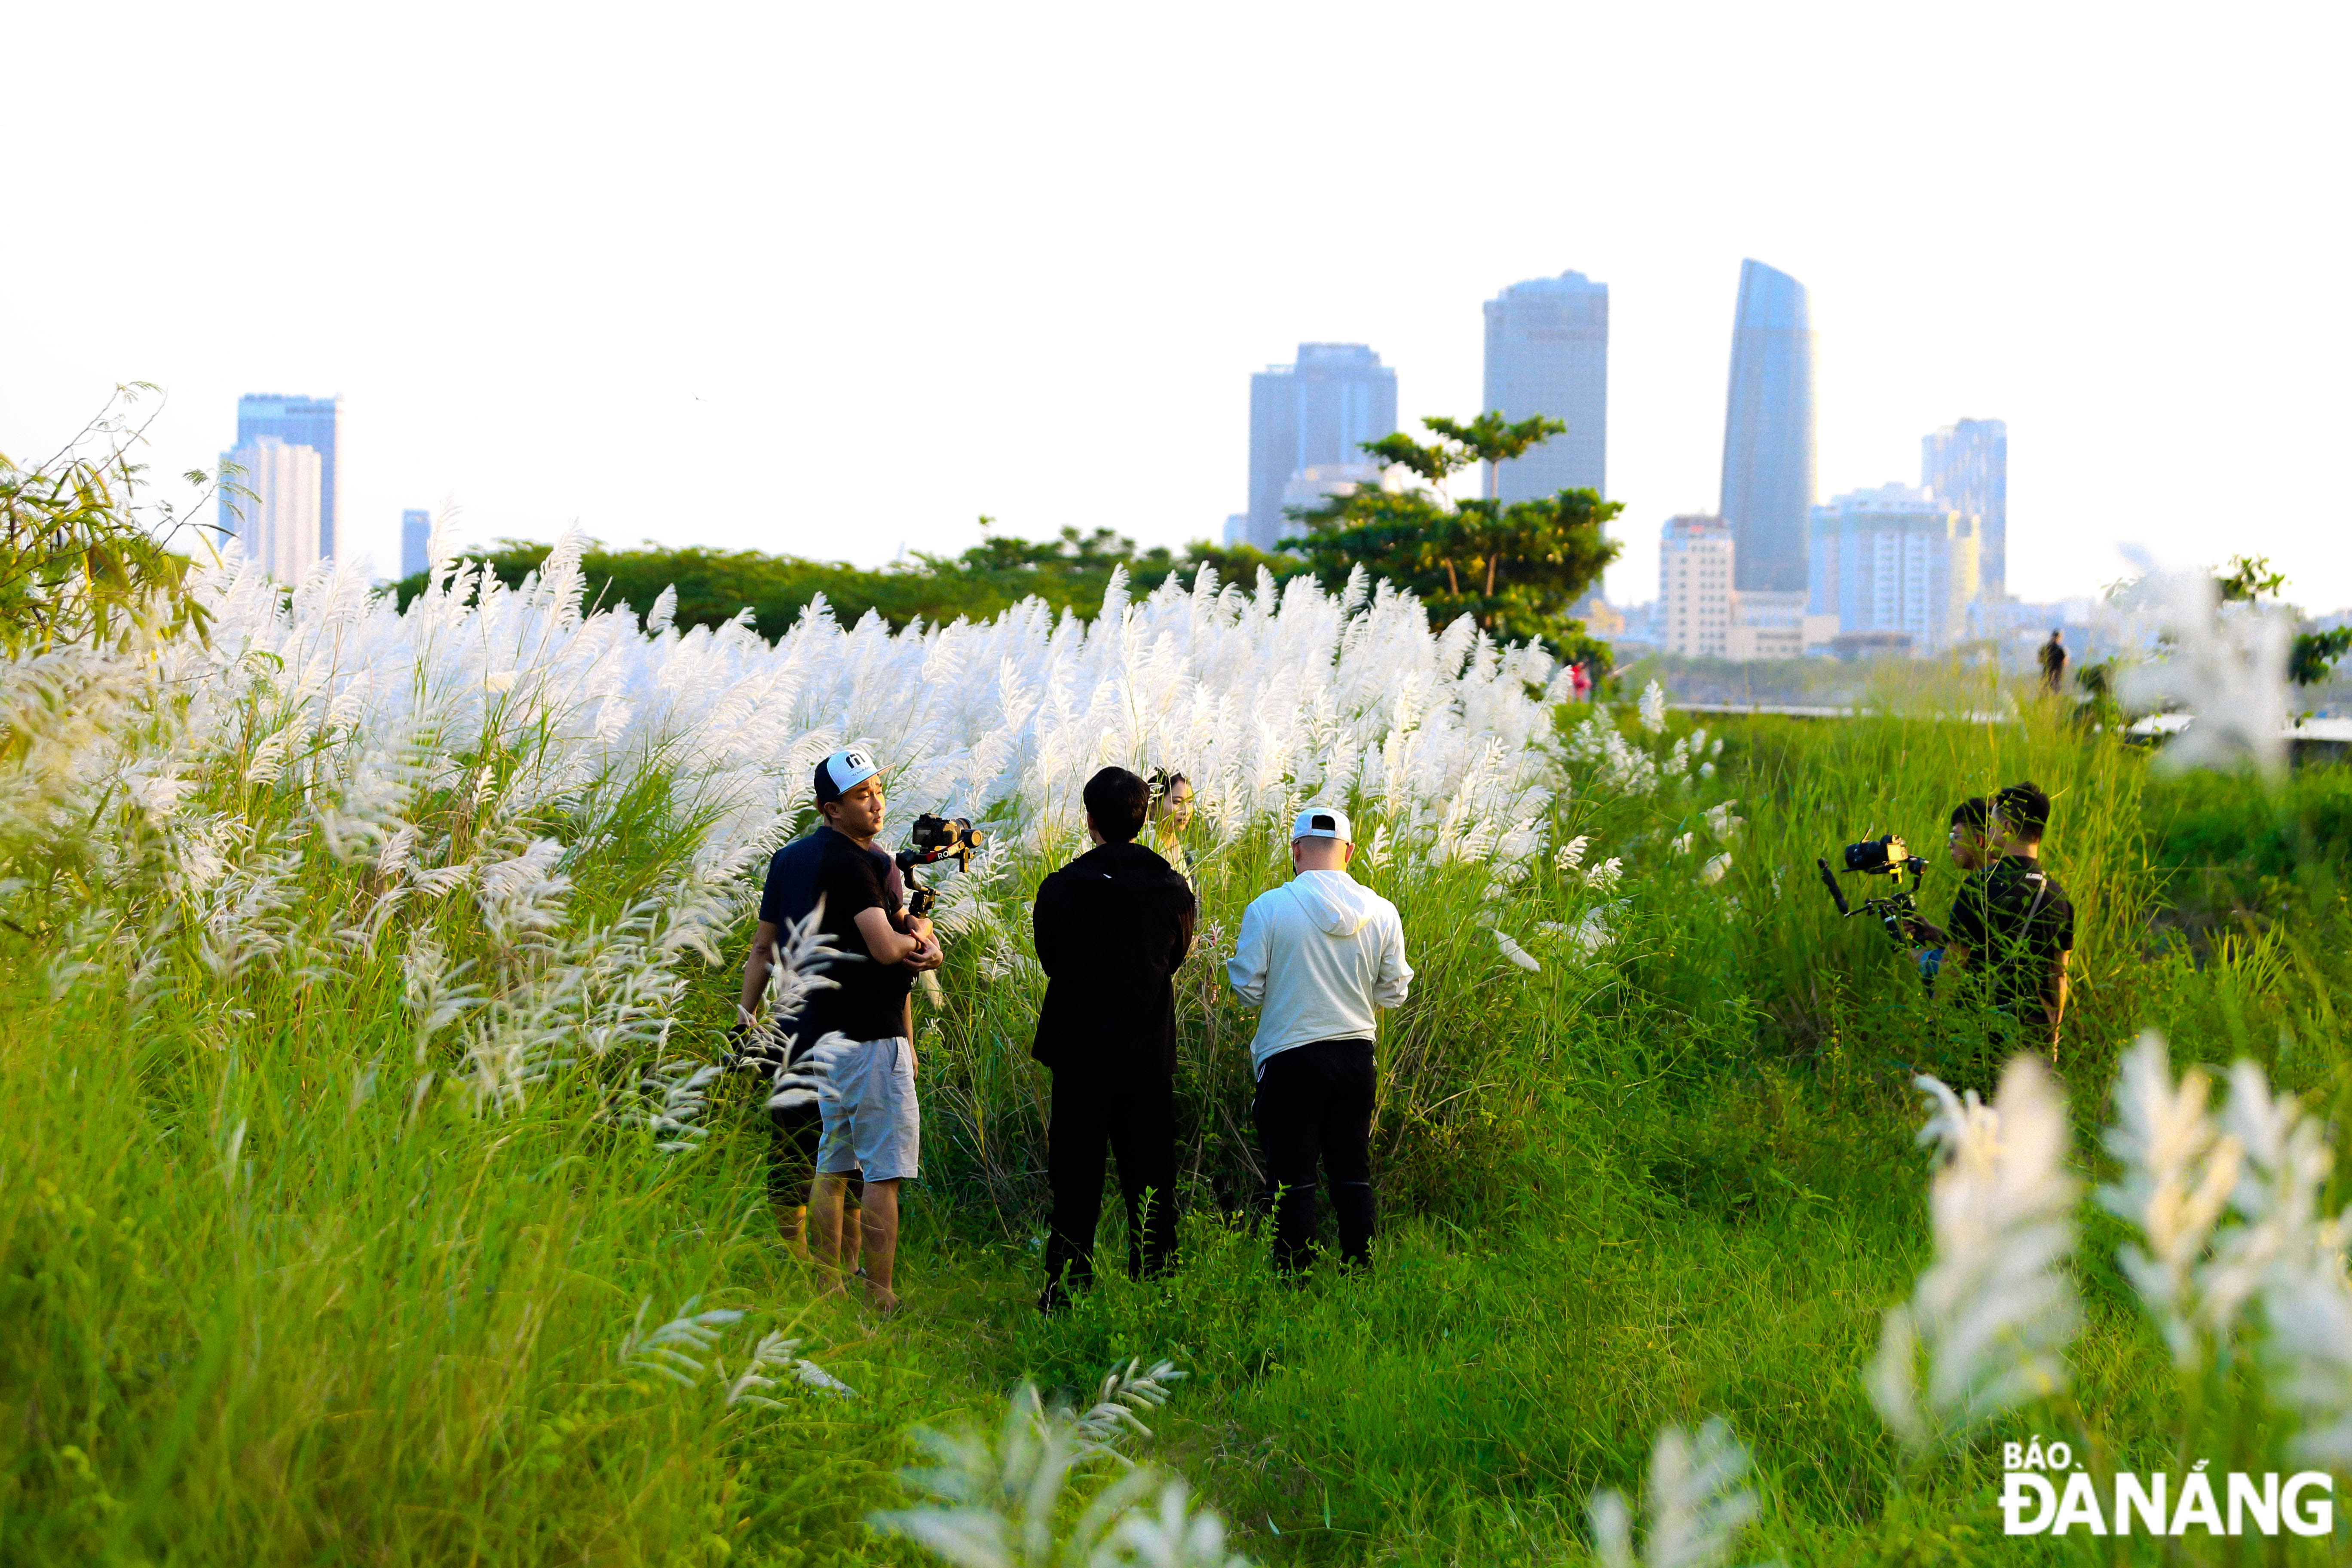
(1112, 928)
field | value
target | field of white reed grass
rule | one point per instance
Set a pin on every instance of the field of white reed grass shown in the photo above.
(371, 1194)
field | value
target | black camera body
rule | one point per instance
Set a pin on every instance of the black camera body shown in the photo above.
(1887, 856)
(1898, 911)
(935, 839)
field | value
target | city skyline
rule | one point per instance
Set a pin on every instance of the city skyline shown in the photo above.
(1547, 354)
(550, 361)
(1770, 456)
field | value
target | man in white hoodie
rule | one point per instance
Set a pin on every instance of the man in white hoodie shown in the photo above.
(1317, 956)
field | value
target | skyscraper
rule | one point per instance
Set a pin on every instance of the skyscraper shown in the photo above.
(313, 422)
(1315, 413)
(1548, 353)
(275, 512)
(415, 540)
(1768, 429)
(1895, 560)
(1967, 464)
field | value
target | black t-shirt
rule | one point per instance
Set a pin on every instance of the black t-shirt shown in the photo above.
(868, 1001)
(791, 890)
(2015, 921)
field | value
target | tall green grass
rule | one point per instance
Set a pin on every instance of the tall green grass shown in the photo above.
(271, 1301)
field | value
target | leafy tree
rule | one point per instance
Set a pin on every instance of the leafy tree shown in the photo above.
(80, 559)
(1068, 572)
(2251, 578)
(1514, 569)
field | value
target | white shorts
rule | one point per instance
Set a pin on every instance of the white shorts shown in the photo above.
(872, 1123)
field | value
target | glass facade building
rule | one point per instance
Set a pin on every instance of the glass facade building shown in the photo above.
(1548, 353)
(1768, 429)
(1316, 413)
(313, 422)
(1967, 464)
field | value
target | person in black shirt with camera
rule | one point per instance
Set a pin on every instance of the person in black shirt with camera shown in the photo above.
(870, 1123)
(1112, 928)
(2013, 927)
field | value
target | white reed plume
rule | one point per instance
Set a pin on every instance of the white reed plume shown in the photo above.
(1603, 878)
(775, 1353)
(1722, 823)
(2177, 1172)
(1570, 855)
(673, 1350)
(809, 1080)
(2226, 664)
(995, 1500)
(1514, 952)
(1994, 1311)
(2279, 1234)
(1715, 869)
(796, 968)
(2308, 1355)
(1125, 1392)
(2283, 1250)
(1170, 1533)
(668, 1101)
(1653, 707)
(1697, 1505)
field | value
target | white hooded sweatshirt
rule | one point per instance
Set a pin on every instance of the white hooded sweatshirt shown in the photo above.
(1317, 955)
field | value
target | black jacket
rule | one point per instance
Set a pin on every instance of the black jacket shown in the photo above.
(1112, 928)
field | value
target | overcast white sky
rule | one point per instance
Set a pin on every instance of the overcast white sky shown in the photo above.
(836, 279)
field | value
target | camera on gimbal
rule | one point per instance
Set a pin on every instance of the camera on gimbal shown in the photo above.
(935, 839)
(1898, 911)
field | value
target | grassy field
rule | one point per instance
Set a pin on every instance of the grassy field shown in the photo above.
(292, 1275)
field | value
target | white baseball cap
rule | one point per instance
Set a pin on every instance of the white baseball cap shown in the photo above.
(1322, 822)
(845, 771)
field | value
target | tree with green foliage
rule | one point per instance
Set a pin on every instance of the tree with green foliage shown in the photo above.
(2249, 579)
(80, 561)
(1515, 570)
(1071, 573)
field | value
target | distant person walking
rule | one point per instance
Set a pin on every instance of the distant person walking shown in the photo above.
(1580, 681)
(1317, 956)
(2053, 660)
(1112, 927)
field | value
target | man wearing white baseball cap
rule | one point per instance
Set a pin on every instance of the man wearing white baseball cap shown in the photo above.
(871, 1121)
(1317, 956)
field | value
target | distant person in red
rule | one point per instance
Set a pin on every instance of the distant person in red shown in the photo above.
(1580, 681)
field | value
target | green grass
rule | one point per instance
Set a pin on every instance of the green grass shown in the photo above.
(268, 1301)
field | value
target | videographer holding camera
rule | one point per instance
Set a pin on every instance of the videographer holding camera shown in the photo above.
(872, 1123)
(1112, 927)
(2011, 923)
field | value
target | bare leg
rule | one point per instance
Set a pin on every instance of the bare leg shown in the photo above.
(792, 1224)
(880, 1217)
(825, 1197)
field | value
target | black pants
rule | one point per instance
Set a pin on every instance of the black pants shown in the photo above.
(1315, 1102)
(1132, 1116)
